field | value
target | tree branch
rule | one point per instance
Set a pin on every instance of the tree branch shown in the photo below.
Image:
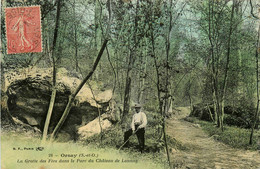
(252, 10)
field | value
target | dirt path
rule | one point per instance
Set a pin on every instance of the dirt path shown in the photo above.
(203, 151)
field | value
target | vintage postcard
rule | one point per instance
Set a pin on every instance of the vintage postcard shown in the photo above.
(132, 84)
(23, 29)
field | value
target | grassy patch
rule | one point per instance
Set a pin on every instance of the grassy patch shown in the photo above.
(233, 136)
(176, 144)
(27, 158)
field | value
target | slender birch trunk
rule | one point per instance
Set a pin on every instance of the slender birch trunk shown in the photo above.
(73, 95)
(53, 95)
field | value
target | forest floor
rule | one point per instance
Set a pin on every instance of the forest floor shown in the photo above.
(203, 151)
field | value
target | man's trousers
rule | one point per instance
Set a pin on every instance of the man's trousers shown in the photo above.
(140, 136)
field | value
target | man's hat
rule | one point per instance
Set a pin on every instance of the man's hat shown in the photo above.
(137, 105)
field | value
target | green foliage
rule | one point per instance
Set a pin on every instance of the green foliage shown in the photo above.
(241, 115)
(233, 136)
(235, 121)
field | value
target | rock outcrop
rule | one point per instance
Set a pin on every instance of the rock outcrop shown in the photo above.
(6, 118)
(94, 127)
(28, 101)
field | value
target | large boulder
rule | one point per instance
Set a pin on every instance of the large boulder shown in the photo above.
(28, 101)
(94, 127)
(63, 77)
(29, 91)
(6, 118)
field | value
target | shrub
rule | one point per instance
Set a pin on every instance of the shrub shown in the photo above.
(233, 136)
(241, 116)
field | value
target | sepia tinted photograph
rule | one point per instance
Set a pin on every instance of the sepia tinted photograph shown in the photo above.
(130, 84)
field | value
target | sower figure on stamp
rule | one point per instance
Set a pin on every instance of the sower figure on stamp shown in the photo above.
(138, 124)
(19, 27)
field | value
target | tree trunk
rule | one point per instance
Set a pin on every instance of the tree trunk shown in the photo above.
(126, 98)
(99, 113)
(214, 74)
(166, 98)
(53, 95)
(222, 103)
(97, 17)
(166, 143)
(142, 84)
(48, 118)
(73, 95)
(256, 116)
(131, 62)
(2, 77)
(75, 38)
(210, 113)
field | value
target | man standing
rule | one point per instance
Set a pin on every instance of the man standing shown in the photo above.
(139, 122)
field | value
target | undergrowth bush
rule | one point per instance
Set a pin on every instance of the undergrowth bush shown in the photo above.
(114, 138)
(233, 136)
(240, 115)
